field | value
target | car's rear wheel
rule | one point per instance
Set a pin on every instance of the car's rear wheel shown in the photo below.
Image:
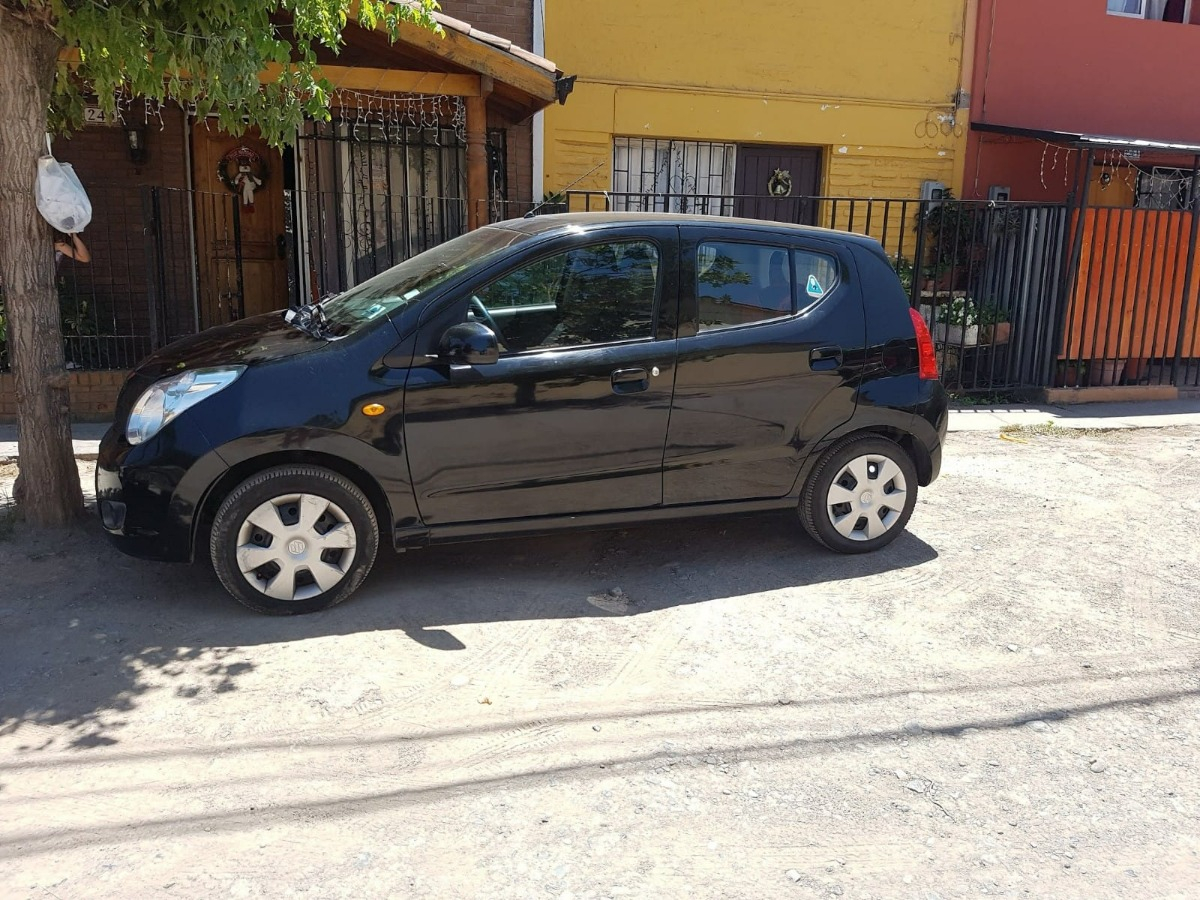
(860, 495)
(294, 539)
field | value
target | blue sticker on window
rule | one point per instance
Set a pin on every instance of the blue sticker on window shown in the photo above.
(814, 287)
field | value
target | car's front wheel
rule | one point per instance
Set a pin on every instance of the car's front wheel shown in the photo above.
(860, 495)
(294, 539)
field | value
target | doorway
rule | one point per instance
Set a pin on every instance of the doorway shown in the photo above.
(241, 238)
(778, 183)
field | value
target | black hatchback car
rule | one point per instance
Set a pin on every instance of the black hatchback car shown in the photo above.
(563, 371)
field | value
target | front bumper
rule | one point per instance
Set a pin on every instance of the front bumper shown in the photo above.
(148, 496)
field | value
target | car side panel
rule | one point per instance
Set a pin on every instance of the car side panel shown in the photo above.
(748, 404)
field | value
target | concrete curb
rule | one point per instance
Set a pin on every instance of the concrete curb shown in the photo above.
(84, 450)
(1163, 414)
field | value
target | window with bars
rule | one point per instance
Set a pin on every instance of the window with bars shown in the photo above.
(655, 175)
(372, 196)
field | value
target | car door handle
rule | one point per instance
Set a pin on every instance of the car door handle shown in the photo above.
(823, 359)
(630, 381)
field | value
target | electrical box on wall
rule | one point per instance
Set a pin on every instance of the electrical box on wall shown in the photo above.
(933, 190)
(999, 193)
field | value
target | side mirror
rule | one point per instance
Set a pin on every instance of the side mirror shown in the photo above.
(469, 344)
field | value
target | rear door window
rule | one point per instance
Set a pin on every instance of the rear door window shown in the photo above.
(740, 284)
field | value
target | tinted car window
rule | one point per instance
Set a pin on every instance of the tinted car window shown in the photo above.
(739, 283)
(597, 294)
(816, 275)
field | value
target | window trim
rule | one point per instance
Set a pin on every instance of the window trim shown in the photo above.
(656, 309)
(1144, 10)
(1140, 14)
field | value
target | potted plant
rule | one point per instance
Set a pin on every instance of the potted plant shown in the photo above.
(956, 320)
(994, 327)
(1105, 372)
(954, 239)
(1070, 373)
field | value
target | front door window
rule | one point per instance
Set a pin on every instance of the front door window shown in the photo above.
(597, 294)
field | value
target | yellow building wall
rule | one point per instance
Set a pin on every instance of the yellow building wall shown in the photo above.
(870, 82)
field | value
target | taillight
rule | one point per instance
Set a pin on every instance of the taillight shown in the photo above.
(926, 357)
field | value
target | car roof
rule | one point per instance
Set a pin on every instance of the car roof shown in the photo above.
(543, 225)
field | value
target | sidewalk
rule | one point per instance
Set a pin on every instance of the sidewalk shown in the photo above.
(86, 438)
(1166, 414)
(1161, 414)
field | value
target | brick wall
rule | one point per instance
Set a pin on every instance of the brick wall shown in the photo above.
(512, 20)
(93, 395)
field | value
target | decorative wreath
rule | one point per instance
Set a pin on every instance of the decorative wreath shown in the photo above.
(231, 165)
(780, 184)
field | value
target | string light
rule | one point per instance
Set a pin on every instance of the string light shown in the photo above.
(394, 113)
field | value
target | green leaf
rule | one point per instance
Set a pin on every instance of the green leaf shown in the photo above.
(211, 52)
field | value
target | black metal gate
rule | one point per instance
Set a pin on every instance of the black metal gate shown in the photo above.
(371, 197)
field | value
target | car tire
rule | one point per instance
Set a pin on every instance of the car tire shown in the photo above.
(293, 540)
(865, 476)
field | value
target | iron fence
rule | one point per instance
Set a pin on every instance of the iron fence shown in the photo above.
(1133, 311)
(340, 240)
(1016, 295)
(104, 302)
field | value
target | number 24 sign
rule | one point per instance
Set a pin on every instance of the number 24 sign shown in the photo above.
(94, 115)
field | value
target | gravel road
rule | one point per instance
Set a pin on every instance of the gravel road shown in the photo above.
(1003, 703)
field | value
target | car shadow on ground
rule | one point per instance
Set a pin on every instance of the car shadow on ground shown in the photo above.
(91, 631)
(628, 572)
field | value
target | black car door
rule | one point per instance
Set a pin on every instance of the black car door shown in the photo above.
(771, 338)
(572, 418)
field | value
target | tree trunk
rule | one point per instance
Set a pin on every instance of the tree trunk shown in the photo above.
(50, 493)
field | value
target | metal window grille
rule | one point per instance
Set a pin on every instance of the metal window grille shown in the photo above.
(1164, 188)
(374, 195)
(673, 176)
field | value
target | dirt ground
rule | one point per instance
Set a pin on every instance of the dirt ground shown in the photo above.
(1002, 703)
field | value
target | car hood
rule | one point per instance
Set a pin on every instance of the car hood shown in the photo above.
(248, 342)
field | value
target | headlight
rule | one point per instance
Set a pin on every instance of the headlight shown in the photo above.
(166, 399)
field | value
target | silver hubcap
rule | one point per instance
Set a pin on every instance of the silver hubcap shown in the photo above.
(867, 498)
(296, 547)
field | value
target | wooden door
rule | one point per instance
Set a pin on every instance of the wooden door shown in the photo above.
(774, 183)
(240, 244)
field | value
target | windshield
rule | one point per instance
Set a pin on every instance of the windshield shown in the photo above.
(402, 285)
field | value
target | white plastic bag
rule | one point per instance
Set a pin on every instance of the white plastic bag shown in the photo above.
(60, 196)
